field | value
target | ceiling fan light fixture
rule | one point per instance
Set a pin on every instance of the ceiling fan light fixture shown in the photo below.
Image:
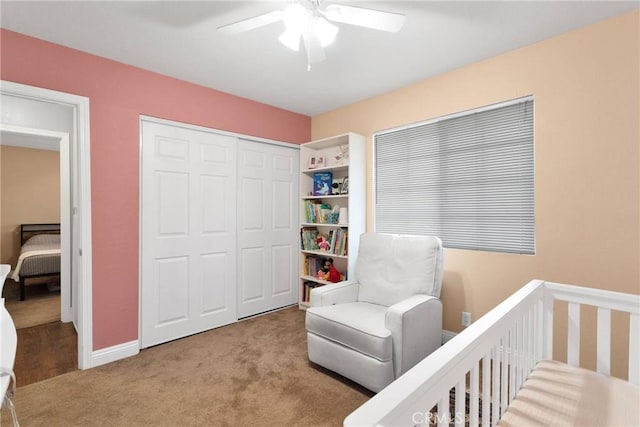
(325, 31)
(291, 38)
(296, 17)
(307, 22)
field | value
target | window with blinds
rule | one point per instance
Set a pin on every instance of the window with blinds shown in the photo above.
(467, 178)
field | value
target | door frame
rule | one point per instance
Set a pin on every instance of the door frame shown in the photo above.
(82, 164)
(66, 313)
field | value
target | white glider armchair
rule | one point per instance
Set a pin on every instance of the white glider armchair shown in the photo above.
(376, 327)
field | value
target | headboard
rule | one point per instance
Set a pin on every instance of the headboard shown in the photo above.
(29, 230)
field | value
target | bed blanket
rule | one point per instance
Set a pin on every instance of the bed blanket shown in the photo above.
(41, 244)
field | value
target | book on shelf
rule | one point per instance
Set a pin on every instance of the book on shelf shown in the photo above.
(320, 213)
(338, 241)
(322, 183)
(309, 239)
(308, 286)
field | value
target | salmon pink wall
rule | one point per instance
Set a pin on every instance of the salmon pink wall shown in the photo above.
(118, 94)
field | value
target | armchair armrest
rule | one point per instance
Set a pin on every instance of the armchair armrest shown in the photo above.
(416, 328)
(339, 293)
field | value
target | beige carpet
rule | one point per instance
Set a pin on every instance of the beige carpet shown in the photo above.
(40, 306)
(252, 373)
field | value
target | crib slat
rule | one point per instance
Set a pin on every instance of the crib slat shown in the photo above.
(533, 328)
(504, 386)
(547, 329)
(535, 332)
(529, 347)
(603, 352)
(536, 339)
(573, 335)
(458, 416)
(473, 394)
(443, 411)
(486, 391)
(495, 387)
(634, 349)
(521, 350)
(513, 356)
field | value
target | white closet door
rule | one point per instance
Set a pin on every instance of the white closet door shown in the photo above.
(188, 232)
(267, 227)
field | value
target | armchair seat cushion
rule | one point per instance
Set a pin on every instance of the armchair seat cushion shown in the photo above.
(357, 325)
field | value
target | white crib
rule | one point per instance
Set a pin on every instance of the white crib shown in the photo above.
(488, 363)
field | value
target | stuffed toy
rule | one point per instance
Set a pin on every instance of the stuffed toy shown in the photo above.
(331, 273)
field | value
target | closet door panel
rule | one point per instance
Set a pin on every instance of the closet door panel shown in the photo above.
(266, 213)
(214, 270)
(188, 232)
(282, 265)
(252, 279)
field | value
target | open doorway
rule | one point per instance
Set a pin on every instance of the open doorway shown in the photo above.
(35, 189)
(35, 235)
(30, 107)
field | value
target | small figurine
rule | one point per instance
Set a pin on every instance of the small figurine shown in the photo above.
(322, 243)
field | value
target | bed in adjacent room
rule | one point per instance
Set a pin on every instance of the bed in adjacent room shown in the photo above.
(39, 253)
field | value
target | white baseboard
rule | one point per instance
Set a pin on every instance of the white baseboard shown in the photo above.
(447, 335)
(116, 352)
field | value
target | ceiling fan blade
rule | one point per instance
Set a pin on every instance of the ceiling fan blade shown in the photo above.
(251, 23)
(375, 19)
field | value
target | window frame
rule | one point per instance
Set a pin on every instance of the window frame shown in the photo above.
(446, 117)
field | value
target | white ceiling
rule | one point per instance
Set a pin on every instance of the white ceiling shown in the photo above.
(179, 39)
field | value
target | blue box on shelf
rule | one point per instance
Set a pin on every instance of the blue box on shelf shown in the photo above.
(322, 182)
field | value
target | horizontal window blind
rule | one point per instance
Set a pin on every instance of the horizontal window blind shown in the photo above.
(468, 179)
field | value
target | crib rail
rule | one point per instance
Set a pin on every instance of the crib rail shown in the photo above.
(606, 302)
(476, 375)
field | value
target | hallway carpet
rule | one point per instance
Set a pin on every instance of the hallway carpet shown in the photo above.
(39, 308)
(251, 373)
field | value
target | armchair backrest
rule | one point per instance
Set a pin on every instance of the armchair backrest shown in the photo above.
(392, 267)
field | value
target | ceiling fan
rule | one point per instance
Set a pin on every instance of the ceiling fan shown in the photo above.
(307, 21)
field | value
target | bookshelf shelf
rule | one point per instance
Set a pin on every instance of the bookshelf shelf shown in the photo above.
(340, 168)
(330, 197)
(343, 157)
(323, 254)
(322, 224)
(315, 279)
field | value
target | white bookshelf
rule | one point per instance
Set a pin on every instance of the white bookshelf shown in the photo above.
(351, 166)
